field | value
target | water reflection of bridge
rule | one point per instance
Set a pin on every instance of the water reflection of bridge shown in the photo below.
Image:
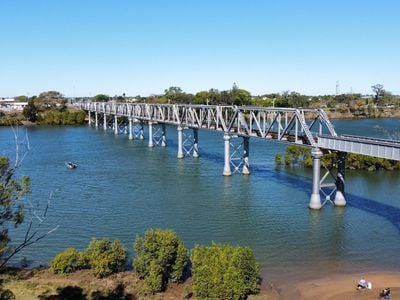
(308, 127)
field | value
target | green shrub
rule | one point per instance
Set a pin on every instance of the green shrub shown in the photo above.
(65, 262)
(154, 279)
(104, 257)
(278, 158)
(160, 256)
(224, 272)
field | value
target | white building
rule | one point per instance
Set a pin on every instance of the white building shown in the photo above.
(9, 105)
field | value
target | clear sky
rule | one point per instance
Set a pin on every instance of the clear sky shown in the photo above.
(87, 47)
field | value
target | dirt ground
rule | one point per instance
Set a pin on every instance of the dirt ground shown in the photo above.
(42, 284)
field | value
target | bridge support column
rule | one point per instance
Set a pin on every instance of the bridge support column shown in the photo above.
(130, 129)
(115, 124)
(90, 119)
(195, 142)
(151, 135)
(315, 200)
(141, 131)
(245, 169)
(96, 124)
(227, 155)
(105, 122)
(340, 200)
(180, 142)
(163, 135)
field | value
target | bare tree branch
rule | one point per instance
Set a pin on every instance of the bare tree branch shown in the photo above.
(32, 234)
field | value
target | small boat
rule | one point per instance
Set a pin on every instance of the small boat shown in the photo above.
(71, 165)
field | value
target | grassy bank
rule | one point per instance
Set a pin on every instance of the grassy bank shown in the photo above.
(43, 284)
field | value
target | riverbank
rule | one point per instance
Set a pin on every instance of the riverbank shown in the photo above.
(362, 112)
(31, 284)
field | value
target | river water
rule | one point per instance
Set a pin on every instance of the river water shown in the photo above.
(122, 188)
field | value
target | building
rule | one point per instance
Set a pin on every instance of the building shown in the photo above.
(9, 105)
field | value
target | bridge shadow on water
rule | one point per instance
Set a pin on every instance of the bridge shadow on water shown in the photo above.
(303, 183)
(389, 212)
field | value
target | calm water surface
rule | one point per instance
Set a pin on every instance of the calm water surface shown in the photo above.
(122, 188)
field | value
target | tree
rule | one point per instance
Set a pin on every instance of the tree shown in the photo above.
(240, 96)
(174, 94)
(224, 272)
(379, 92)
(51, 96)
(101, 98)
(21, 99)
(105, 257)
(30, 111)
(160, 256)
(201, 97)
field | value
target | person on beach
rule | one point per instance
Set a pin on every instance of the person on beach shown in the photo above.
(362, 284)
(385, 294)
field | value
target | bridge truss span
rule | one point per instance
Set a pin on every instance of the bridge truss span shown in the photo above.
(301, 126)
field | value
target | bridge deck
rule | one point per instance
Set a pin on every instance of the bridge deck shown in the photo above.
(376, 147)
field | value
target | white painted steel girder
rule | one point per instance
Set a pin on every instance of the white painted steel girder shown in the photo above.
(388, 149)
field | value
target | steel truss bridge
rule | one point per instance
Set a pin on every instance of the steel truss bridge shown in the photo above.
(308, 127)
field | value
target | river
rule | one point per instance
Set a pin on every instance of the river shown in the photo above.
(122, 188)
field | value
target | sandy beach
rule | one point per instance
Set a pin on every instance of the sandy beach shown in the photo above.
(341, 287)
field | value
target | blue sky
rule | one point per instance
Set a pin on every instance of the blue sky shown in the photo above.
(87, 47)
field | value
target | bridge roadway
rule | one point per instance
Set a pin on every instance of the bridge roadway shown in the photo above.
(308, 127)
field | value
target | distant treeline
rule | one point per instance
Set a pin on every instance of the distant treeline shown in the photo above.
(380, 103)
(239, 96)
(49, 108)
(301, 156)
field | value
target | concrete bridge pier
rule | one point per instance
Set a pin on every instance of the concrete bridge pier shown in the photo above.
(246, 146)
(151, 135)
(96, 120)
(141, 131)
(105, 122)
(195, 142)
(90, 119)
(340, 199)
(227, 155)
(130, 129)
(180, 142)
(115, 124)
(163, 135)
(315, 200)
